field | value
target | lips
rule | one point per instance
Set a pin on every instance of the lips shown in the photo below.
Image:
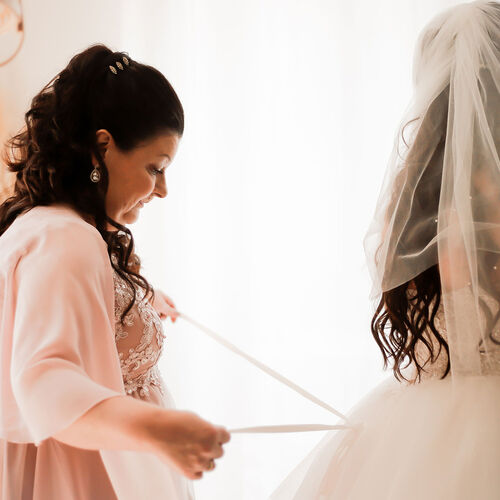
(141, 203)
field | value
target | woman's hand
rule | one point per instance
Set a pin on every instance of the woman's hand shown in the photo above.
(165, 306)
(185, 441)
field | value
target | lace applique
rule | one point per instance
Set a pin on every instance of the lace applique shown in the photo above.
(138, 363)
(142, 383)
(490, 365)
(121, 300)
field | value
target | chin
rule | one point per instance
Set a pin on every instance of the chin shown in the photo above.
(129, 217)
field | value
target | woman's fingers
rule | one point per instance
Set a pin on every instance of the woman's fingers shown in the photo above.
(169, 312)
(222, 435)
(165, 306)
(174, 314)
(218, 451)
(186, 441)
(170, 309)
(219, 437)
(169, 301)
(209, 464)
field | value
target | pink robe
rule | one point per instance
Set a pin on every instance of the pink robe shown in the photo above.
(63, 351)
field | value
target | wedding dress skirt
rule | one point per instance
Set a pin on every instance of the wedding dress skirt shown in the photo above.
(429, 440)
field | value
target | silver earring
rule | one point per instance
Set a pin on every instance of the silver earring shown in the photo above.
(95, 175)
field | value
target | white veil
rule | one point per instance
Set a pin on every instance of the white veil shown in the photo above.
(440, 198)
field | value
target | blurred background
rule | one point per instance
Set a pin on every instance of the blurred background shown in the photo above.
(291, 110)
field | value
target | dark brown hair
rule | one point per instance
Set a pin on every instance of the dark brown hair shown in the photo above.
(401, 319)
(51, 155)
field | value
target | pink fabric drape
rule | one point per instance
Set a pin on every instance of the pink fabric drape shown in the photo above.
(59, 359)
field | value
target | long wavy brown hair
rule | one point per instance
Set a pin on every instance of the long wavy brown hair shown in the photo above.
(51, 155)
(401, 319)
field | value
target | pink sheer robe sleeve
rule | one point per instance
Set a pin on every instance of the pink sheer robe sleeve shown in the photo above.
(59, 358)
(64, 358)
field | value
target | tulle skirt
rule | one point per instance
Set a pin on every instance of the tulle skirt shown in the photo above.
(425, 441)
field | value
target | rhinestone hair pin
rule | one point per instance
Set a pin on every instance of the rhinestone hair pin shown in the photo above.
(119, 65)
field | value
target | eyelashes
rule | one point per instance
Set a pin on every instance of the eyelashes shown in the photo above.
(156, 171)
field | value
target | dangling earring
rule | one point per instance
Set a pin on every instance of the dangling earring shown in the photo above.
(95, 175)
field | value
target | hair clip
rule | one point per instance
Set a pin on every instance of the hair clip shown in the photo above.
(119, 65)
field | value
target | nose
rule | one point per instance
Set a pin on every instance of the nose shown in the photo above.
(161, 187)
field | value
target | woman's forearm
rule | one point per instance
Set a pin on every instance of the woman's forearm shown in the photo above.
(179, 438)
(117, 423)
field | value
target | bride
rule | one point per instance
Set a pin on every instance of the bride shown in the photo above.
(433, 430)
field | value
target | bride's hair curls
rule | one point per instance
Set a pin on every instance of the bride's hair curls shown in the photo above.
(401, 320)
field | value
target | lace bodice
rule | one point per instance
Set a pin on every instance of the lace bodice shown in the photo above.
(438, 368)
(139, 340)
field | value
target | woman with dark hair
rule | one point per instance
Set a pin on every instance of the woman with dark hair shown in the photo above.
(432, 431)
(84, 411)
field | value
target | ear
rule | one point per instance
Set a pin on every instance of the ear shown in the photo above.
(103, 139)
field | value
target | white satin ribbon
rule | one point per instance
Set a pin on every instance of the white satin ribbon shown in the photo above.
(273, 429)
(280, 378)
